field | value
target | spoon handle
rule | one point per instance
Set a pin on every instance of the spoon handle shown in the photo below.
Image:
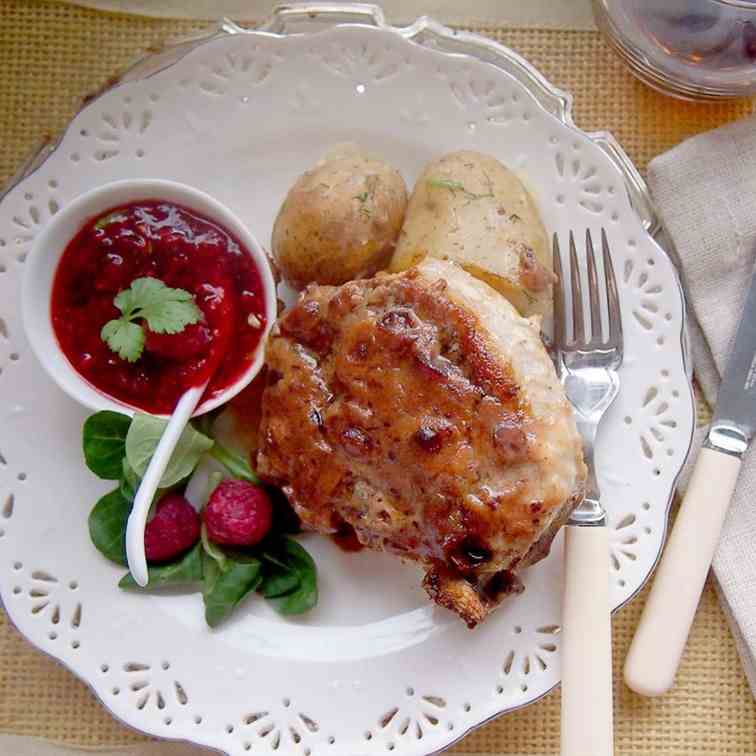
(137, 522)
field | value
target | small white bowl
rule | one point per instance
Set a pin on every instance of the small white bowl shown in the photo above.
(50, 244)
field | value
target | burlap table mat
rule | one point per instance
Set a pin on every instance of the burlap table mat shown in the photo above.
(50, 55)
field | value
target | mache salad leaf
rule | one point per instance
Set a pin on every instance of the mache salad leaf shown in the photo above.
(224, 590)
(107, 526)
(104, 443)
(142, 441)
(291, 563)
(185, 571)
(129, 483)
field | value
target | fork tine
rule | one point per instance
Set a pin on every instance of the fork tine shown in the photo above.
(612, 296)
(593, 291)
(559, 313)
(578, 326)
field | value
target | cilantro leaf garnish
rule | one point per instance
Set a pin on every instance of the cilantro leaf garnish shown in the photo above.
(161, 308)
(124, 338)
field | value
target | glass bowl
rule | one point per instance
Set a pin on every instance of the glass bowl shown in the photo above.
(692, 49)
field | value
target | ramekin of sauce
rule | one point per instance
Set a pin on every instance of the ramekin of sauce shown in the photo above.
(94, 250)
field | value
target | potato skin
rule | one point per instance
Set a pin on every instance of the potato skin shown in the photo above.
(340, 221)
(468, 207)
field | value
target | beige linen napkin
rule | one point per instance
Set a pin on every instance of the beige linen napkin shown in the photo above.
(705, 190)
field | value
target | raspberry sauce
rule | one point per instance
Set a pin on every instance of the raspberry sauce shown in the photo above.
(185, 251)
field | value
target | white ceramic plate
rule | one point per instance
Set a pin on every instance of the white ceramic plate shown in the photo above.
(375, 667)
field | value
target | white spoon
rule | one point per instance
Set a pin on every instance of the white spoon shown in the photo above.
(135, 554)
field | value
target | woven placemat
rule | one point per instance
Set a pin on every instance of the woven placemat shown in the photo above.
(51, 54)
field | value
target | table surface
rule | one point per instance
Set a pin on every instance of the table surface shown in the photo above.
(53, 54)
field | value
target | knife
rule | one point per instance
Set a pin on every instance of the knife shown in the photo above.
(660, 639)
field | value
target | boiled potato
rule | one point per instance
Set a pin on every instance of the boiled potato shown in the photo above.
(467, 207)
(340, 220)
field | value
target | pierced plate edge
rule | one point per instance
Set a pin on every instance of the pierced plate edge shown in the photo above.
(302, 18)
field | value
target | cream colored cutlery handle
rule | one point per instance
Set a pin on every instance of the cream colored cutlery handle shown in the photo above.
(587, 718)
(659, 641)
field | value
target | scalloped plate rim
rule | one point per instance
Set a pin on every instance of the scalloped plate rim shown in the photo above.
(566, 120)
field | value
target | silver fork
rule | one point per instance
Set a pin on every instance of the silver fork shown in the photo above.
(587, 367)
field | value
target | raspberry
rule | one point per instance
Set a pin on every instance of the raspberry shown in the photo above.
(193, 341)
(173, 529)
(238, 514)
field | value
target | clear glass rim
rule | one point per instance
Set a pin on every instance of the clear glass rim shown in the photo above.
(743, 4)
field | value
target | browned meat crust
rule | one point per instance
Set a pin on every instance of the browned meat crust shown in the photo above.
(389, 408)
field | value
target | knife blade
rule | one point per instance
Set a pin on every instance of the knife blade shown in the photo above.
(659, 641)
(734, 421)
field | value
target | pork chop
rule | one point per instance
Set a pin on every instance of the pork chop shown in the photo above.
(423, 411)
